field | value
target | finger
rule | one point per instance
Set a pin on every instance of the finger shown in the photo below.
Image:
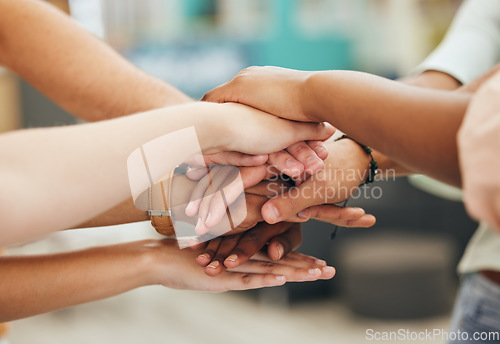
(310, 131)
(217, 178)
(253, 241)
(285, 243)
(234, 188)
(269, 188)
(344, 217)
(245, 281)
(366, 221)
(296, 256)
(303, 153)
(227, 244)
(289, 205)
(300, 260)
(319, 148)
(198, 247)
(235, 159)
(197, 195)
(286, 163)
(196, 174)
(245, 214)
(220, 94)
(291, 273)
(250, 213)
(210, 182)
(206, 257)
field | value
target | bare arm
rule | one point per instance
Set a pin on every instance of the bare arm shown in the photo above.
(33, 285)
(57, 178)
(414, 126)
(75, 69)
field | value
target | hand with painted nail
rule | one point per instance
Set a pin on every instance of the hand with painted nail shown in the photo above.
(345, 169)
(258, 272)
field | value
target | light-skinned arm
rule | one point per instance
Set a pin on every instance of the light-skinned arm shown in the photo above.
(57, 178)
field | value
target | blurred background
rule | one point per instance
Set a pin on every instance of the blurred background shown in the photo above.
(400, 274)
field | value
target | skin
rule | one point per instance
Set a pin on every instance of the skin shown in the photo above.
(69, 279)
(34, 160)
(345, 169)
(390, 116)
(95, 85)
(280, 206)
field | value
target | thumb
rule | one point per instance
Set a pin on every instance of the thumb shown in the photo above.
(312, 131)
(220, 94)
(289, 205)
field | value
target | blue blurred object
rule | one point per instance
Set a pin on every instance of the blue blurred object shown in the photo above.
(206, 55)
(289, 47)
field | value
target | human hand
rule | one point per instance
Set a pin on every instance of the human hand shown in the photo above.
(275, 90)
(175, 268)
(299, 161)
(247, 130)
(478, 143)
(281, 239)
(345, 169)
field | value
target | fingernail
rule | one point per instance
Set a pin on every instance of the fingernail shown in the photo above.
(281, 251)
(189, 208)
(280, 278)
(208, 218)
(272, 213)
(359, 211)
(213, 264)
(328, 269)
(320, 149)
(200, 228)
(291, 163)
(232, 258)
(304, 214)
(320, 262)
(204, 255)
(311, 161)
(314, 272)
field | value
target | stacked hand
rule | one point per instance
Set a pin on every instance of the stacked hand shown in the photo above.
(267, 209)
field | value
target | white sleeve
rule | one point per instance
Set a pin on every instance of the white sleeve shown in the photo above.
(472, 45)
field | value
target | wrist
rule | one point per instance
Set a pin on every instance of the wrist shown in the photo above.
(356, 159)
(211, 126)
(156, 259)
(312, 91)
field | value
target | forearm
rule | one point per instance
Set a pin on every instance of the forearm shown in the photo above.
(33, 285)
(74, 68)
(125, 212)
(57, 178)
(411, 125)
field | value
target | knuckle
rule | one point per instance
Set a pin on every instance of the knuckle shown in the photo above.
(252, 237)
(301, 148)
(266, 266)
(246, 278)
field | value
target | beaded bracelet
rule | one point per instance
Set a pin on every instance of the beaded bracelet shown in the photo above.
(372, 174)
